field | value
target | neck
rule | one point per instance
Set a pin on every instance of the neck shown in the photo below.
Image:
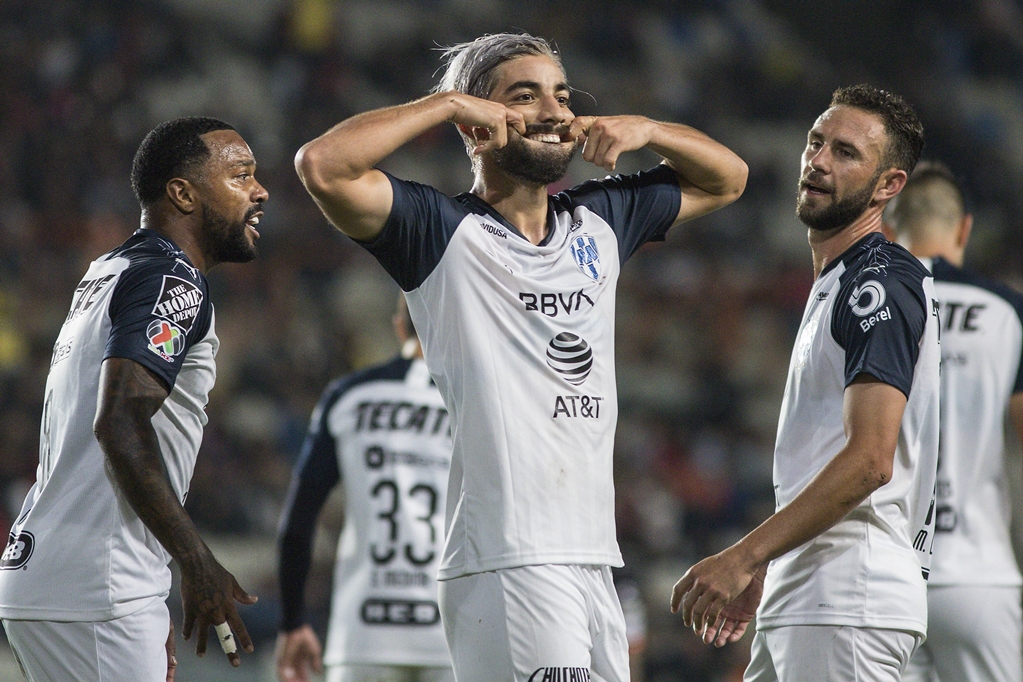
(829, 245)
(179, 229)
(932, 248)
(521, 204)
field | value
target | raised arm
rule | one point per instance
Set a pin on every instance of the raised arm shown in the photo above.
(129, 397)
(711, 175)
(873, 417)
(338, 168)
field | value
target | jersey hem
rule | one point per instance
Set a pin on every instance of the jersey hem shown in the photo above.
(614, 561)
(884, 623)
(390, 661)
(1008, 582)
(73, 616)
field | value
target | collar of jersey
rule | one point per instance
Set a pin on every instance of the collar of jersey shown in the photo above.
(851, 252)
(144, 233)
(477, 203)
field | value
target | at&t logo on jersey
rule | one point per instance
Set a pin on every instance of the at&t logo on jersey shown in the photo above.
(18, 551)
(571, 357)
(165, 339)
(584, 251)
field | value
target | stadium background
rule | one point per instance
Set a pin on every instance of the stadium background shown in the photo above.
(705, 322)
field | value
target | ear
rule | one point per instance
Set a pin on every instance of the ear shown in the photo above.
(963, 230)
(890, 183)
(182, 195)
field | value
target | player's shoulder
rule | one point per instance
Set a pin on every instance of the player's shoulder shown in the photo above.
(149, 253)
(874, 258)
(946, 272)
(390, 371)
(586, 192)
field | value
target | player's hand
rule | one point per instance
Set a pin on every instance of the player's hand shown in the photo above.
(710, 586)
(208, 593)
(297, 653)
(172, 662)
(485, 121)
(605, 138)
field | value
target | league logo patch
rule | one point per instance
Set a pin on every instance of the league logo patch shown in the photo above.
(867, 298)
(584, 251)
(18, 551)
(165, 339)
(571, 357)
(179, 302)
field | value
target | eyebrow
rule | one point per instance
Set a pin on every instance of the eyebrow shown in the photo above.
(243, 162)
(533, 85)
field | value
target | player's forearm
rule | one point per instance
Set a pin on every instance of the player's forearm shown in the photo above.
(699, 160)
(355, 146)
(836, 490)
(133, 457)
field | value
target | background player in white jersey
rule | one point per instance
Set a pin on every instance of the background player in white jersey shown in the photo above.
(512, 293)
(385, 431)
(85, 576)
(974, 624)
(844, 597)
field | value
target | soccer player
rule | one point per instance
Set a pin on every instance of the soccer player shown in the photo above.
(844, 598)
(386, 431)
(512, 292)
(974, 624)
(85, 576)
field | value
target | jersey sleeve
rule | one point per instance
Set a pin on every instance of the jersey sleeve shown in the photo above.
(639, 208)
(416, 234)
(157, 312)
(315, 475)
(879, 320)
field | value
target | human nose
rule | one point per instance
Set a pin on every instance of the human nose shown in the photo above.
(553, 111)
(817, 160)
(260, 194)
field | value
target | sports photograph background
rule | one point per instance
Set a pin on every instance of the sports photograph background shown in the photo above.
(705, 321)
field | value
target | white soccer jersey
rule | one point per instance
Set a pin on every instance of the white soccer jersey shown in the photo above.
(520, 340)
(981, 345)
(872, 311)
(77, 550)
(386, 433)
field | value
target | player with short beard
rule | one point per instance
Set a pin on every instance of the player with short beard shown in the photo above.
(85, 576)
(512, 292)
(841, 566)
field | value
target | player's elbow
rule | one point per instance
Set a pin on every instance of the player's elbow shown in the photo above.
(735, 180)
(308, 165)
(877, 471)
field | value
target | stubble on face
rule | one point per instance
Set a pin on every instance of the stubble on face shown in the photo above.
(226, 240)
(839, 213)
(537, 163)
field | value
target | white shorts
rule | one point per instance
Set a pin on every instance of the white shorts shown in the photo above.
(829, 653)
(128, 649)
(974, 634)
(536, 624)
(388, 673)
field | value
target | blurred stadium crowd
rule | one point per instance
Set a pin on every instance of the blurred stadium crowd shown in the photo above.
(706, 321)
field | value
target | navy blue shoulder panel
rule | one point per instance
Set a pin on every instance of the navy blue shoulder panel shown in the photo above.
(316, 473)
(880, 312)
(946, 272)
(417, 232)
(160, 306)
(639, 208)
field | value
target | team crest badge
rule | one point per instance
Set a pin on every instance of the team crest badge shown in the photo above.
(165, 339)
(584, 251)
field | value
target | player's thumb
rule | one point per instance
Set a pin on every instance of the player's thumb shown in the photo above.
(243, 597)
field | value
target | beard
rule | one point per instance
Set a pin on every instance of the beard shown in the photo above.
(539, 166)
(840, 213)
(225, 241)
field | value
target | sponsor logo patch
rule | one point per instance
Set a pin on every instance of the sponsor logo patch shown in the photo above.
(165, 339)
(395, 612)
(179, 302)
(560, 675)
(867, 298)
(18, 551)
(571, 357)
(586, 256)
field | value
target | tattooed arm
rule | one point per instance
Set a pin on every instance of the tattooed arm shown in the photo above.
(129, 396)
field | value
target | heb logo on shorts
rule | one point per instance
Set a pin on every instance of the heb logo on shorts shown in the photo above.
(179, 302)
(165, 339)
(560, 675)
(18, 551)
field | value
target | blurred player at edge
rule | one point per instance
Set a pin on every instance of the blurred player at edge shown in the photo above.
(385, 430)
(845, 594)
(974, 624)
(85, 575)
(512, 292)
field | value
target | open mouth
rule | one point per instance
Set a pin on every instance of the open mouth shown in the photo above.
(253, 220)
(814, 190)
(546, 138)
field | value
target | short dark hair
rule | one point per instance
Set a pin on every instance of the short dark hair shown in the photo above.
(901, 123)
(172, 149)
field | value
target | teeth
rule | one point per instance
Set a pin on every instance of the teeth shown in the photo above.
(546, 137)
(254, 220)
